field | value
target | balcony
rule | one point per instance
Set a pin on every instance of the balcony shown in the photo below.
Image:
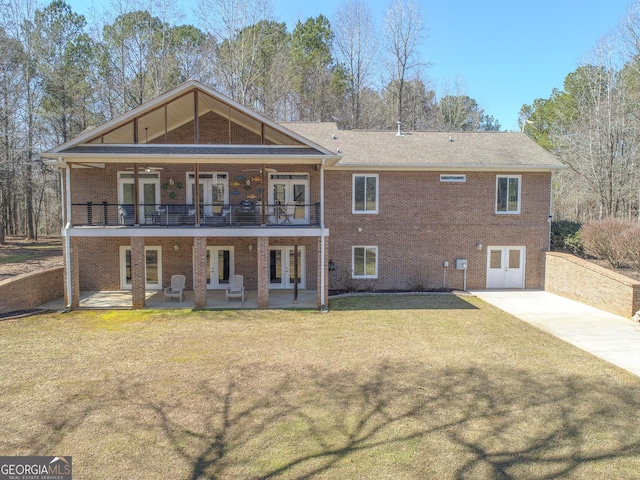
(243, 214)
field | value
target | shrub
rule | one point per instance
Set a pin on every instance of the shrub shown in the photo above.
(574, 244)
(611, 239)
(565, 236)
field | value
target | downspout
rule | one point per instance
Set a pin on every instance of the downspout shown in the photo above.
(323, 300)
(65, 232)
(550, 218)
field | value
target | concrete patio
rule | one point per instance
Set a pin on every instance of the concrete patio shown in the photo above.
(114, 300)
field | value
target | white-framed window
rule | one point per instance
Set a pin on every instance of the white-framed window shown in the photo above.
(152, 267)
(508, 188)
(364, 262)
(365, 193)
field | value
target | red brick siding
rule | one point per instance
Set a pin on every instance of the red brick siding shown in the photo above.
(99, 259)
(423, 222)
(101, 185)
(213, 129)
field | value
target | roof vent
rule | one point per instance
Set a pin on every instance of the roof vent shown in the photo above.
(399, 134)
(451, 139)
(333, 136)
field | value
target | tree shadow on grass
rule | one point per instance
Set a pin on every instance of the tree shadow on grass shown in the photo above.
(438, 301)
(395, 420)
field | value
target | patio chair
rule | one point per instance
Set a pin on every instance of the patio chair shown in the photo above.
(176, 290)
(126, 214)
(286, 214)
(236, 287)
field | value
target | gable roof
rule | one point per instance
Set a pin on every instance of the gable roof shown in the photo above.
(182, 105)
(385, 150)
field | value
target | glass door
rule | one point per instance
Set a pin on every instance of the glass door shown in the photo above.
(214, 192)
(282, 267)
(220, 266)
(148, 193)
(289, 193)
(152, 267)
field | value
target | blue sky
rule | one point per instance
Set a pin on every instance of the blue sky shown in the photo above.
(506, 53)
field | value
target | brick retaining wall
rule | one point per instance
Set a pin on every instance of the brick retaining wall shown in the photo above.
(29, 290)
(580, 280)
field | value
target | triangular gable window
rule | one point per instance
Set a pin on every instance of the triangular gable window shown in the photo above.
(195, 118)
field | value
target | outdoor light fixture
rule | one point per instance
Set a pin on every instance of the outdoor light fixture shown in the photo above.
(479, 246)
(171, 181)
(251, 247)
(331, 266)
(176, 247)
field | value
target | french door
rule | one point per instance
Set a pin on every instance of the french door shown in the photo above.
(148, 192)
(152, 268)
(282, 267)
(291, 190)
(220, 266)
(505, 267)
(214, 192)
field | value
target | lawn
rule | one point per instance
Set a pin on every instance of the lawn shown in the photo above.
(406, 387)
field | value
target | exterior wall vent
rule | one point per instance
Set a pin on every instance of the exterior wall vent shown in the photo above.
(449, 178)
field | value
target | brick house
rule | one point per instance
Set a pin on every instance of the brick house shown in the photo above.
(268, 195)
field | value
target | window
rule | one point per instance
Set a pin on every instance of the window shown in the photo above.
(508, 194)
(365, 262)
(365, 194)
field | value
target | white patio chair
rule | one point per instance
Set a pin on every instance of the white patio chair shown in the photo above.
(176, 290)
(236, 287)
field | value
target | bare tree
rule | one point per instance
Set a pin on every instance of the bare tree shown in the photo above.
(403, 32)
(236, 27)
(601, 143)
(355, 45)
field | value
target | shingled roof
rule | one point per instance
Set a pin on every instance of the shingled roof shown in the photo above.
(428, 150)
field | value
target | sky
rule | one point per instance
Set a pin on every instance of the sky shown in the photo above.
(504, 53)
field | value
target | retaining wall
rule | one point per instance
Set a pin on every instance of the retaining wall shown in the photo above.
(29, 290)
(580, 280)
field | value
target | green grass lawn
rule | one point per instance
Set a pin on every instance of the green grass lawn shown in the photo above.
(406, 387)
(17, 258)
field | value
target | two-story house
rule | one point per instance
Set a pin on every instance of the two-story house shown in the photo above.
(193, 183)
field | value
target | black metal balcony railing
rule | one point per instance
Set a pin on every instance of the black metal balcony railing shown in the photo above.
(246, 214)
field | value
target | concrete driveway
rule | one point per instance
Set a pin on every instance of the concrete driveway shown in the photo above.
(605, 335)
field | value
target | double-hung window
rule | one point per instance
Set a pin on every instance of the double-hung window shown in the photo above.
(365, 193)
(365, 262)
(508, 188)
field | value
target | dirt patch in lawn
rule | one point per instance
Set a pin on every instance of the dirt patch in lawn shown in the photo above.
(24, 256)
(447, 389)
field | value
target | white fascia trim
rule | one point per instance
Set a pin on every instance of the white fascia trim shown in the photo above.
(246, 232)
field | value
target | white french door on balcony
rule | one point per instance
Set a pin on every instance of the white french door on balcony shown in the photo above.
(291, 190)
(148, 192)
(281, 267)
(214, 191)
